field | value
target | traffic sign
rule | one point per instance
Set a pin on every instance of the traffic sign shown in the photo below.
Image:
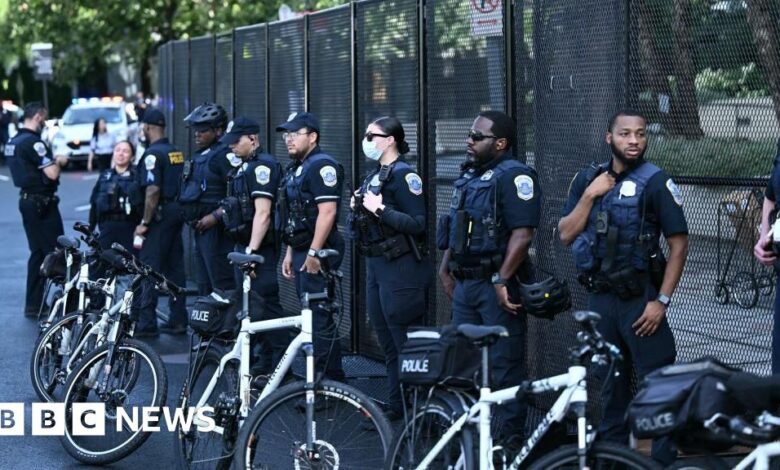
(487, 18)
(42, 60)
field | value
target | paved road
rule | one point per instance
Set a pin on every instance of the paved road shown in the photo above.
(18, 334)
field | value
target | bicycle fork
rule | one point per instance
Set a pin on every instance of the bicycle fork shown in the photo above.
(308, 349)
(579, 403)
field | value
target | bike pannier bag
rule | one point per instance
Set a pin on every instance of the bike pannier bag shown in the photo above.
(433, 356)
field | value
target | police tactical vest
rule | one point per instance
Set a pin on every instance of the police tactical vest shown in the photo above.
(119, 194)
(199, 184)
(26, 174)
(239, 208)
(474, 226)
(618, 233)
(369, 229)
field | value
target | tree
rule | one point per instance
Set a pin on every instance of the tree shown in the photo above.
(764, 19)
(686, 107)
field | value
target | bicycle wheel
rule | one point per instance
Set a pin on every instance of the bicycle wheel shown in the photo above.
(766, 284)
(423, 430)
(351, 431)
(601, 455)
(744, 289)
(209, 449)
(136, 379)
(722, 293)
(51, 354)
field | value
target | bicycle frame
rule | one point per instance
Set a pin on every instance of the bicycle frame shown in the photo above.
(760, 458)
(575, 392)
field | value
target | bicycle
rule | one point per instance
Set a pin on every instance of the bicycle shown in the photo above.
(301, 424)
(122, 373)
(442, 436)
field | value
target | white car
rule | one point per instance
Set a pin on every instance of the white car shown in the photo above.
(76, 126)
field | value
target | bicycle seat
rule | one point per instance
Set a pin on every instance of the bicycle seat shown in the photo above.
(242, 258)
(483, 333)
(585, 316)
(755, 393)
(327, 253)
(68, 242)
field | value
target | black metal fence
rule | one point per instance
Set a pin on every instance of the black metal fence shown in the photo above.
(561, 67)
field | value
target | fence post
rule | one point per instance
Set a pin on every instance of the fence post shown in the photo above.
(509, 54)
(306, 63)
(356, 284)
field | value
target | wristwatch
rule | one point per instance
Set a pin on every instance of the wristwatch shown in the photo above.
(497, 280)
(664, 300)
(144, 223)
(312, 252)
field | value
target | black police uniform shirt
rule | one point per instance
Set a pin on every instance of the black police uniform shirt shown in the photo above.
(402, 192)
(324, 179)
(263, 176)
(162, 166)
(34, 156)
(662, 196)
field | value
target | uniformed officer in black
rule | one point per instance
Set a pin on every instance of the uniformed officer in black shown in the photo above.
(160, 175)
(309, 215)
(612, 220)
(203, 186)
(248, 212)
(117, 200)
(486, 234)
(388, 224)
(37, 174)
(764, 251)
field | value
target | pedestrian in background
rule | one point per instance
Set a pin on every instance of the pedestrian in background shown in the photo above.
(101, 146)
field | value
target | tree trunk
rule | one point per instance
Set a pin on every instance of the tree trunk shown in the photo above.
(655, 69)
(764, 19)
(685, 108)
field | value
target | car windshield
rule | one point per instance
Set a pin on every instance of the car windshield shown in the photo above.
(112, 115)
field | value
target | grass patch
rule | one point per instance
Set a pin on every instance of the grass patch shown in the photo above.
(716, 157)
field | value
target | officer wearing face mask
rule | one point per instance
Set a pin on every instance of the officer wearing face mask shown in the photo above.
(486, 235)
(388, 225)
(36, 173)
(613, 220)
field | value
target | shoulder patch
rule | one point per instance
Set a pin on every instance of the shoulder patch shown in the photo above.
(40, 148)
(525, 187)
(299, 170)
(233, 159)
(175, 158)
(229, 127)
(415, 183)
(675, 191)
(329, 176)
(486, 177)
(149, 162)
(262, 174)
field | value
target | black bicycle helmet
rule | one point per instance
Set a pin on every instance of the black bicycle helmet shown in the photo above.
(210, 114)
(546, 298)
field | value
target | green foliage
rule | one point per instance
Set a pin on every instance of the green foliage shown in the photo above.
(746, 82)
(718, 157)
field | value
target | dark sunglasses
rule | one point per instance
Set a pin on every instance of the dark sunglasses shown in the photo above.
(479, 137)
(370, 136)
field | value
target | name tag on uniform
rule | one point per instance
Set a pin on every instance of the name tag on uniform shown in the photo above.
(176, 158)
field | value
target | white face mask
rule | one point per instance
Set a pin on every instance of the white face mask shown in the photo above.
(370, 150)
(233, 159)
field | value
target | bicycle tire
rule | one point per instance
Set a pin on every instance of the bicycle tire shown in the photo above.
(766, 285)
(722, 293)
(79, 388)
(744, 290)
(599, 455)
(422, 431)
(187, 442)
(46, 353)
(351, 431)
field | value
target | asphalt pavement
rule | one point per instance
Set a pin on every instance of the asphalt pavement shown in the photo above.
(19, 334)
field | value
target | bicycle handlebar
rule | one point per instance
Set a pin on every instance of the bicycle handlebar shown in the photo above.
(135, 266)
(591, 337)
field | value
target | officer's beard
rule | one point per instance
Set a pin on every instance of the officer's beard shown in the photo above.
(629, 163)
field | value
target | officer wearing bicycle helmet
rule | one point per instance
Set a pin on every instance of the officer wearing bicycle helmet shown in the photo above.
(117, 201)
(766, 250)
(486, 235)
(203, 185)
(613, 220)
(163, 250)
(388, 224)
(308, 209)
(248, 216)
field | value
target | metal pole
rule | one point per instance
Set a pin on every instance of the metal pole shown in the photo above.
(45, 94)
(509, 66)
(426, 163)
(306, 94)
(356, 264)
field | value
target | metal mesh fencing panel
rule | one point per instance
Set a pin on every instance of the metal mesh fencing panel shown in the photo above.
(387, 68)
(202, 79)
(223, 72)
(330, 99)
(165, 86)
(286, 73)
(465, 75)
(181, 94)
(250, 81)
(705, 75)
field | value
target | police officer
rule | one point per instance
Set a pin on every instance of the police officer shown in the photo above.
(388, 224)
(765, 253)
(160, 176)
(37, 174)
(117, 201)
(612, 220)
(486, 234)
(203, 185)
(309, 214)
(248, 214)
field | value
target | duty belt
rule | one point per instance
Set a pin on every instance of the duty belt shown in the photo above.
(626, 283)
(114, 218)
(45, 198)
(391, 248)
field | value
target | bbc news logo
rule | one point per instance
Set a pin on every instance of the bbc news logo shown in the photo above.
(92, 419)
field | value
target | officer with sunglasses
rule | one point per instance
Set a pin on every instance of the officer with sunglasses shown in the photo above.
(388, 224)
(309, 207)
(486, 235)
